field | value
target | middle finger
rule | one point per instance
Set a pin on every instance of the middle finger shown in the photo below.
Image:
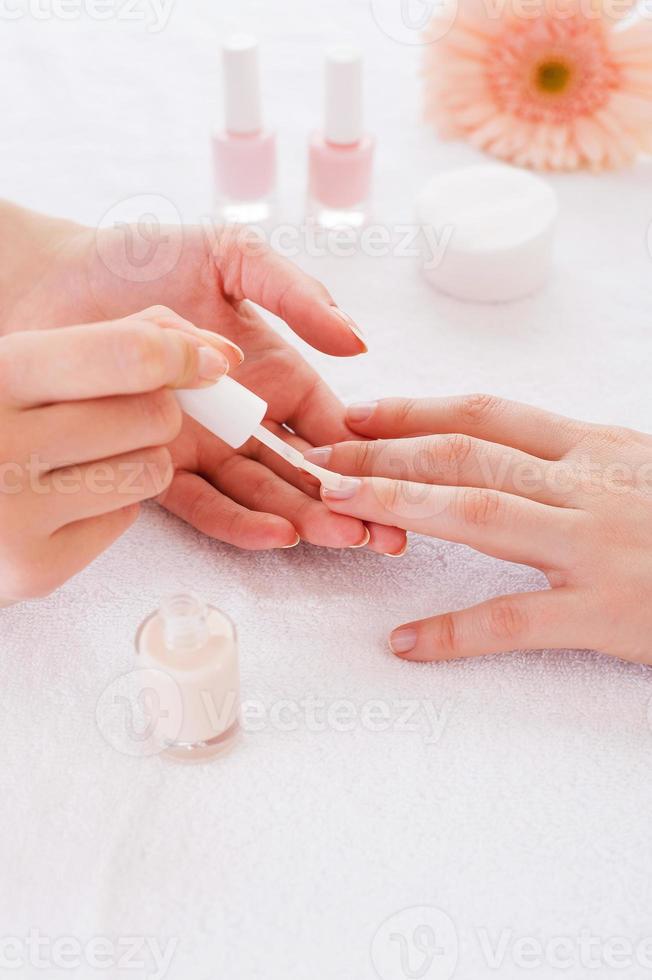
(69, 433)
(447, 460)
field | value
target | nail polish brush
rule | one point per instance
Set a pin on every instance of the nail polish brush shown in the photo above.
(235, 414)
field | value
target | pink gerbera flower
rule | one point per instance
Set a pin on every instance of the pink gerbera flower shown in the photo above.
(563, 89)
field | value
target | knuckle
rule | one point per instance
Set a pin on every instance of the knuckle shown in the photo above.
(455, 449)
(478, 408)
(363, 457)
(592, 436)
(479, 507)
(404, 413)
(235, 527)
(506, 619)
(200, 512)
(570, 430)
(141, 353)
(393, 496)
(446, 637)
(227, 251)
(615, 436)
(262, 489)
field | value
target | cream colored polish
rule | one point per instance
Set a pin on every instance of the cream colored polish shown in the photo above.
(220, 339)
(294, 543)
(352, 325)
(211, 364)
(366, 539)
(396, 554)
(194, 646)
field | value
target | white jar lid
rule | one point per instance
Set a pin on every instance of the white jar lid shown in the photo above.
(487, 232)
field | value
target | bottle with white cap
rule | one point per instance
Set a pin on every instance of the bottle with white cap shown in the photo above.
(244, 152)
(340, 158)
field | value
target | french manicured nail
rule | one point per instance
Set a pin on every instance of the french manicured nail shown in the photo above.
(320, 456)
(347, 489)
(397, 554)
(294, 543)
(402, 641)
(217, 338)
(351, 324)
(211, 364)
(361, 411)
(214, 339)
(365, 540)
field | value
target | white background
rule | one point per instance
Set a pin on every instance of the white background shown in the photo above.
(531, 813)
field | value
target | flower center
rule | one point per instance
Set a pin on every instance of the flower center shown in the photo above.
(552, 70)
(552, 77)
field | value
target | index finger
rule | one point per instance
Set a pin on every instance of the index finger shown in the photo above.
(250, 269)
(38, 367)
(487, 417)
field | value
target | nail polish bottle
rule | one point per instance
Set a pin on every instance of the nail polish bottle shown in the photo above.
(244, 152)
(195, 646)
(340, 159)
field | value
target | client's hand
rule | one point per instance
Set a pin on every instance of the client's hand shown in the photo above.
(54, 272)
(570, 498)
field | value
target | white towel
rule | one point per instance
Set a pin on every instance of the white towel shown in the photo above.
(518, 799)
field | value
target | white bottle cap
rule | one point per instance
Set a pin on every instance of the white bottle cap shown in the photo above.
(343, 95)
(489, 232)
(242, 99)
(227, 409)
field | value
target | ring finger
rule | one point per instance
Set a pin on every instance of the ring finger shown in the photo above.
(79, 492)
(255, 486)
(383, 539)
(498, 524)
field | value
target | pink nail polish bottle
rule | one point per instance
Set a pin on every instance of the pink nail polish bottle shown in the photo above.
(190, 652)
(340, 159)
(244, 152)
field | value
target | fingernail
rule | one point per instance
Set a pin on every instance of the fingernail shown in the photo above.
(361, 411)
(211, 364)
(351, 324)
(294, 543)
(396, 554)
(402, 641)
(320, 456)
(214, 339)
(364, 541)
(217, 338)
(346, 490)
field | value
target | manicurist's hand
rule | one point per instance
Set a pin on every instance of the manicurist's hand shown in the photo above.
(85, 416)
(570, 498)
(54, 272)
